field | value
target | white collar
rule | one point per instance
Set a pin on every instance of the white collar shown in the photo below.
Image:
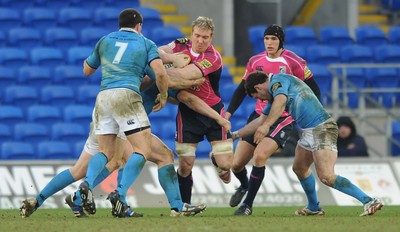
(128, 29)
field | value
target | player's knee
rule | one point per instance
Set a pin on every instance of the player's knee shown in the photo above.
(222, 148)
(327, 179)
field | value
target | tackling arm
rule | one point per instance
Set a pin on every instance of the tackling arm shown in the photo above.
(87, 70)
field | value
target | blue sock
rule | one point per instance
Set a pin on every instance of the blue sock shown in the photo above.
(103, 175)
(60, 181)
(131, 171)
(96, 165)
(345, 186)
(169, 182)
(119, 177)
(308, 185)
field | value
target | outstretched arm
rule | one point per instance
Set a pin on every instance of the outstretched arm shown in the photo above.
(198, 105)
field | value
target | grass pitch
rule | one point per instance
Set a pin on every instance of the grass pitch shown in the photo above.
(337, 218)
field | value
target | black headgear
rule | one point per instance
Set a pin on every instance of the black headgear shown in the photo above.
(276, 31)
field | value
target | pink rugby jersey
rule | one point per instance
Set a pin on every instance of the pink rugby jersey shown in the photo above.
(288, 63)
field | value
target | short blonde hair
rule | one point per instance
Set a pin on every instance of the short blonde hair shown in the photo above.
(204, 23)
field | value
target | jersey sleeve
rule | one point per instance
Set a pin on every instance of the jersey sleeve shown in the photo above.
(249, 69)
(279, 86)
(94, 59)
(298, 66)
(152, 51)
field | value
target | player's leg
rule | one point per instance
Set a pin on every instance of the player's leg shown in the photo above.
(221, 156)
(186, 156)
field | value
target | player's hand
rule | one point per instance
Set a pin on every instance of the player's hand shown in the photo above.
(260, 133)
(161, 100)
(225, 124)
(181, 60)
(235, 135)
(228, 115)
(198, 82)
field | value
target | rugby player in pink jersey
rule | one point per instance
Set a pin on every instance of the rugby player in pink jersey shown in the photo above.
(275, 59)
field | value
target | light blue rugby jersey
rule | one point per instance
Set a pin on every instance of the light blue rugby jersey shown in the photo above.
(302, 104)
(123, 56)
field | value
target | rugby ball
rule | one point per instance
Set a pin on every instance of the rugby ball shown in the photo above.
(186, 57)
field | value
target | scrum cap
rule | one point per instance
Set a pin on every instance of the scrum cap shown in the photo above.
(276, 31)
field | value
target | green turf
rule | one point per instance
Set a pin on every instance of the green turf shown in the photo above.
(213, 219)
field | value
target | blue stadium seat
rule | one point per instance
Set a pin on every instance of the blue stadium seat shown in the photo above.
(395, 135)
(18, 151)
(3, 39)
(80, 114)
(107, 17)
(298, 50)
(55, 150)
(324, 80)
(5, 133)
(122, 4)
(337, 36)
(226, 90)
(31, 133)
(370, 36)
(90, 35)
(76, 55)
(300, 35)
(61, 37)
(44, 114)
(59, 96)
(226, 76)
(387, 54)
(168, 130)
(39, 18)
(170, 143)
(7, 78)
(165, 34)
(357, 77)
(151, 16)
(35, 76)
(237, 122)
(11, 115)
(256, 38)
(53, 4)
(164, 114)
(87, 94)
(78, 148)
(323, 54)
(68, 132)
(13, 57)
(20, 4)
(356, 54)
(88, 4)
(47, 56)
(24, 37)
(9, 18)
(203, 149)
(394, 35)
(71, 75)
(21, 95)
(76, 17)
(384, 78)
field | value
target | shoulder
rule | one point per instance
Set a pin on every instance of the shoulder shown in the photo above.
(289, 55)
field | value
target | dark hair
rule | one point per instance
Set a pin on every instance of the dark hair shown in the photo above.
(276, 31)
(129, 18)
(254, 79)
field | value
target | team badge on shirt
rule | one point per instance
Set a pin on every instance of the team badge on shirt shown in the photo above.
(205, 64)
(307, 73)
(282, 69)
(275, 87)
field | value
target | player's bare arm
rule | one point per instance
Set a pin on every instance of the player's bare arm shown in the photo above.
(161, 82)
(189, 72)
(87, 70)
(250, 128)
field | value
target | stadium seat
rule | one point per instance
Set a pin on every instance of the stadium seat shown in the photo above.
(76, 18)
(90, 35)
(168, 130)
(323, 54)
(357, 77)
(76, 55)
(107, 17)
(394, 35)
(324, 80)
(13, 57)
(44, 114)
(61, 38)
(165, 34)
(395, 135)
(163, 115)
(203, 149)
(55, 150)
(20, 4)
(370, 36)
(256, 38)
(53, 4)
(9, 18)
(226, 91)
(59, 96)
(35, 76)
(170, 143)
(11, 115)
(387, 54)
(7, 78)
(18, 151)
(226, 76)
(78, 148)
(21, 96)
(68, 132)
(31, 133)
(335, 36)
(151, 16)
(122, 4)
(80, 114)
(298, 50)
(356, 54)
(47, 56)
(300, 35)
(71, 75)
(88, 4)
(24, 37)
(3, 39)
(40, 18)
(87, 94)
(5, 133)
(382, 78)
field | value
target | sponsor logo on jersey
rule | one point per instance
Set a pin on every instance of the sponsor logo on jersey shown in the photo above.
(205, 64)
(282, 69)
(307, 73)
(275, 87)
(130, 122)
(259, 68)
